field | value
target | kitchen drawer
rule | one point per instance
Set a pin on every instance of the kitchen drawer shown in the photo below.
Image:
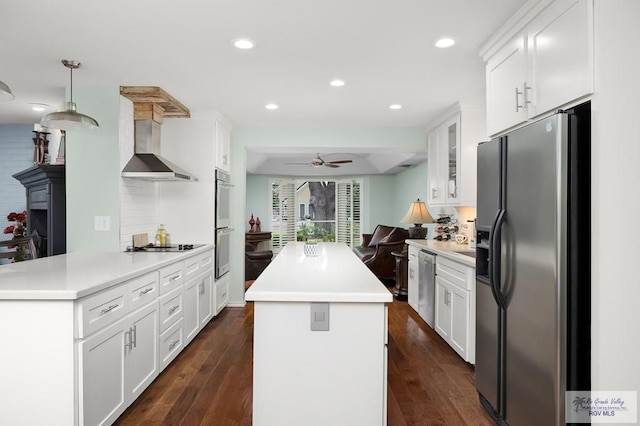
(101, 309)
(171, 277)
(455, 272)
(171, 308)
(197, 264)
(143, 290)
(222, 294)
(171, 343)
(206, 260)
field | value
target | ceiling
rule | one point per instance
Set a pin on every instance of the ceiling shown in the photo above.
(383, 51)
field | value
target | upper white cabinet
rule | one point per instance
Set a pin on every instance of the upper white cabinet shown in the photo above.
(544, 63)
(223, 147)
(451, 156)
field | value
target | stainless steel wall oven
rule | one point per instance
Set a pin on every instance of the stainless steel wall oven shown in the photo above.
(222, 212)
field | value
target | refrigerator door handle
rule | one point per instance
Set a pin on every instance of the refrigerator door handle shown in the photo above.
(494, 258)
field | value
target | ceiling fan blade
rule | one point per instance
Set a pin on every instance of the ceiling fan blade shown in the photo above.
(340, 162)
(333, 166)
(299, 164)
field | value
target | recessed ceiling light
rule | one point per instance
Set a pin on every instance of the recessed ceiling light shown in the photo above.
(243, 43)
(337, 83)
(395, 106)
(445, 42)
(38, 107)
(271, 106)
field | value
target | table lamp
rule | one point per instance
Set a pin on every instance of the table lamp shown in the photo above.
(417, 214)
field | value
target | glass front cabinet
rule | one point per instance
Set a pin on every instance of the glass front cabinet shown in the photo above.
(443, 163)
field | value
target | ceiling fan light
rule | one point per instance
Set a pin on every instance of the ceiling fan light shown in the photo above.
(5, 92)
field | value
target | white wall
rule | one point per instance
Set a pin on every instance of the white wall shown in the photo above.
(187, 208)
(615, 197)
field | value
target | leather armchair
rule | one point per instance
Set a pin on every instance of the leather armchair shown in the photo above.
(376, 249)
(255, 261)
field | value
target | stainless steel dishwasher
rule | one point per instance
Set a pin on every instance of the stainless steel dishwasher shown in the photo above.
(426, 286)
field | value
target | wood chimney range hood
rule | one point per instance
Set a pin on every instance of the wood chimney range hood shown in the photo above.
(153, 103)
(150, 106)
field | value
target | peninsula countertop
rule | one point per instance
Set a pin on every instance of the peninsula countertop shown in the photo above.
(447, 249)
(74, 275)
(334, 275)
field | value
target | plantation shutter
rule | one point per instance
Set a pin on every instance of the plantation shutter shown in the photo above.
(348, 213)
(283, 213)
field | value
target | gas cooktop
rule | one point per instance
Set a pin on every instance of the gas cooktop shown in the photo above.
(170, 248)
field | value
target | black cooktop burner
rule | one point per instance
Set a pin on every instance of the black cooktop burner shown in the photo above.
(170, 248)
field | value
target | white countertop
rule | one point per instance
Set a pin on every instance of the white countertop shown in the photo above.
(75, 275)
(334, 275)
(447, 249)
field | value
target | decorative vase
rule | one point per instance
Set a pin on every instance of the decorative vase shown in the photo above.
(258, 224)
(252, 223)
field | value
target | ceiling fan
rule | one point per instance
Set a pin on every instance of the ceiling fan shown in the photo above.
(319, 162)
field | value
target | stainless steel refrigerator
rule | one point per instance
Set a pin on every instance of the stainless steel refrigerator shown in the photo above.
(533, 269)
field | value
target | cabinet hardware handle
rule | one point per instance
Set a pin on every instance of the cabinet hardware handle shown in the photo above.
(145, 291)
(224, 295)
(134, 336)
(434, 192)
(173, 344)
(109, 309)
(526, 98)
(127, 334)
(175, 277)
(173, 309)
(518, 106)
(201, 285)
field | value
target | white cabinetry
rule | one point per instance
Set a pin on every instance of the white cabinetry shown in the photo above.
(544, 63)
(455, 306)
(412, 278)
(223, 147)
(221, 294)
(119, 360)
(451, 156)
(443, 146)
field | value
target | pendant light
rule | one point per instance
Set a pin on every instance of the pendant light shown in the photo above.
(5, 93)
(69, 119)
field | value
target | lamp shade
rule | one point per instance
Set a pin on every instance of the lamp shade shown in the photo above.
(69, 119)
(417, 213)
(5, 92)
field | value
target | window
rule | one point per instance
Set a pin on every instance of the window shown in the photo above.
(326, 210)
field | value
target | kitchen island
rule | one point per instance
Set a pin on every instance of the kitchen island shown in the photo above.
(320, 336)
(83, 334)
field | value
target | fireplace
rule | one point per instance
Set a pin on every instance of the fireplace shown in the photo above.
(46, 207)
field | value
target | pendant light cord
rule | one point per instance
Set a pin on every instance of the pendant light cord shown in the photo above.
(71, 78)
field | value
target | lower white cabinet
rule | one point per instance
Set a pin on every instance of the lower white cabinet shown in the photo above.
(221, 293)
(412, 278)
(198, 299)
(171, 343)
(455, 306)
(116, 364)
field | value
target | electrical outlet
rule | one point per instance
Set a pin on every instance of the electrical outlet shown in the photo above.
(102, 223)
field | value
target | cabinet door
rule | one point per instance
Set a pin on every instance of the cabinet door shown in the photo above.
(450, 159)
(443, 309)
(191, 310)
(412, 283)
(141, 350)
(459, 336)
(221, 294)
(506, 76)
(101, 375)
(560, 55)
(223, 147)
(435, 194)
(205, 299)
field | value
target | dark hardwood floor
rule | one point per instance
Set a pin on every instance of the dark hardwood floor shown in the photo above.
(210, 382)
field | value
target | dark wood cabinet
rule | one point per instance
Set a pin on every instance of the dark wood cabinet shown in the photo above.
(46, 207)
